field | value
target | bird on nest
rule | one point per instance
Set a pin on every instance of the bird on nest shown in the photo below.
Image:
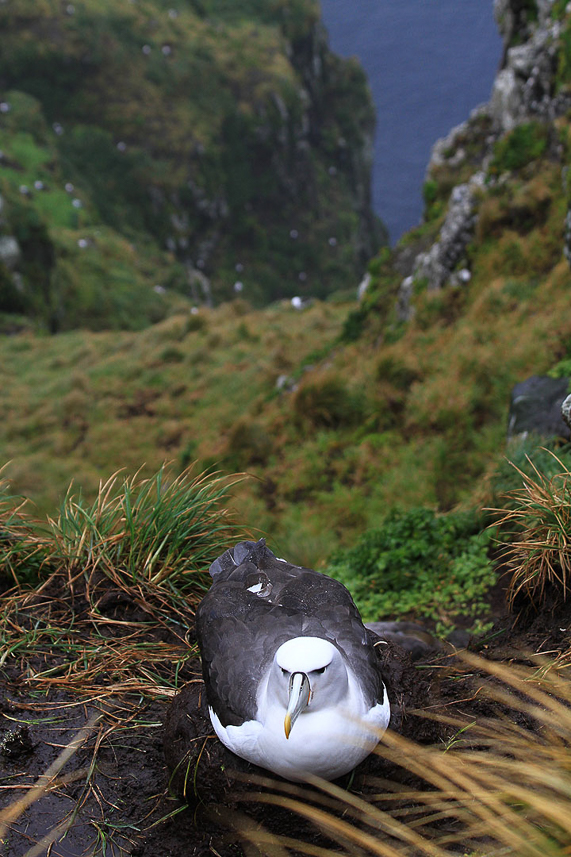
(291, 675)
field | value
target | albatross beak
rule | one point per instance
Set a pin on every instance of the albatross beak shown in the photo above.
(299, 693)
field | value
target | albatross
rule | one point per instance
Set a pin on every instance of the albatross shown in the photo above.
(291, 675)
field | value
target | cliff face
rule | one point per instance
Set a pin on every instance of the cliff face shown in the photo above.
(207, 149)
(492, 172)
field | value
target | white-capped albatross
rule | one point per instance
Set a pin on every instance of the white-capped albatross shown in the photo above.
(292, 679)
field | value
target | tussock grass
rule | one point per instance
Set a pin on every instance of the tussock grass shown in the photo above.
(19, 547)
(539, 521)
(107, 631)
(143, 530)
(122, 577)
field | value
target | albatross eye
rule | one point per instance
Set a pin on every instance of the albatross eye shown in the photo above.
(320, 671)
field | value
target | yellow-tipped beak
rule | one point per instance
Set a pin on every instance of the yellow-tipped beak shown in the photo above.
(299, 694)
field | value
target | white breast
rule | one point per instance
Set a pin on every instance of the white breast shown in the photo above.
(326, 743)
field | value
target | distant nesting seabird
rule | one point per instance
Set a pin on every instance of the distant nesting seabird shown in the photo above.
(291, 674)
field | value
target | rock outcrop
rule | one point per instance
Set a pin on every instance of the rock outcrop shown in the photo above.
(524, 86)
(524, 91)
(536, 408)
(10, 252)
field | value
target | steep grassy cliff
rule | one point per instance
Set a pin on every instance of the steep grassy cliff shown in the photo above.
(152, 149)
(341, 411)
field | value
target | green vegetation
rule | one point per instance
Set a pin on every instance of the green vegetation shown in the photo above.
(419, 564)
(116, 182)
(526, 143)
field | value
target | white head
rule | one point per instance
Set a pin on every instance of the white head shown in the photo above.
(307, 674)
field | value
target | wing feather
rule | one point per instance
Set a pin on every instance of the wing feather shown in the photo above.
(239, 631)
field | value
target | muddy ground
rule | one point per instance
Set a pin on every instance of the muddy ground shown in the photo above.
(119, 793)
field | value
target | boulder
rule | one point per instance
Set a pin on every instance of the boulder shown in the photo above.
(536, 408)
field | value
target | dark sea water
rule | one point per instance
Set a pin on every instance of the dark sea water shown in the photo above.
(429, 63)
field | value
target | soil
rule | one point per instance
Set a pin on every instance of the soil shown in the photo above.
(151, 780)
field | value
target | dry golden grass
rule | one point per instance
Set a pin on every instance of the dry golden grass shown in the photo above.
(122, 576)
(500, 786)
(540, 525)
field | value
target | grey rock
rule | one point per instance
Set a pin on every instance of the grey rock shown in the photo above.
(439, 154)
(363, 286)
(535, 408)
(566, 411)
(437, 265)
(523, 89)
(199, 285)
(507, 19)
(285, 384)
(404, 307)
(10, 252)
(415, 639)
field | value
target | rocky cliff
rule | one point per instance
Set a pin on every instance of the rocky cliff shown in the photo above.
(202, 150)
(487, 174)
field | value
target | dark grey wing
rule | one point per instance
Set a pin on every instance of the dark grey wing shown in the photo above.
(238, 635)
(255, 604)
(330, 613)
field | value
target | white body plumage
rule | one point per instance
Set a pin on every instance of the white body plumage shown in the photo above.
(332, 728)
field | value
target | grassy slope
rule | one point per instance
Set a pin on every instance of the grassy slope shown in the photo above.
(372, 425)
(401, 416)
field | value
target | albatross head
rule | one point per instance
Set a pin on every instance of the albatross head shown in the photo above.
(307, 674)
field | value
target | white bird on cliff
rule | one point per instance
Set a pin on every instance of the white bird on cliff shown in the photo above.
(292, 678)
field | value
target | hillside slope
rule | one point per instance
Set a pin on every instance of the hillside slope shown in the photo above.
(342, 411)
(150, 150)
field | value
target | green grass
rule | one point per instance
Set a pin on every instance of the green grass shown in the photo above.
(157, 529)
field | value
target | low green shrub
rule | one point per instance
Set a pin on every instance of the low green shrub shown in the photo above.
(434, 203)
(396, 372)
(248, 444)
(419, 564)
(354, 325)
(526, 143)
